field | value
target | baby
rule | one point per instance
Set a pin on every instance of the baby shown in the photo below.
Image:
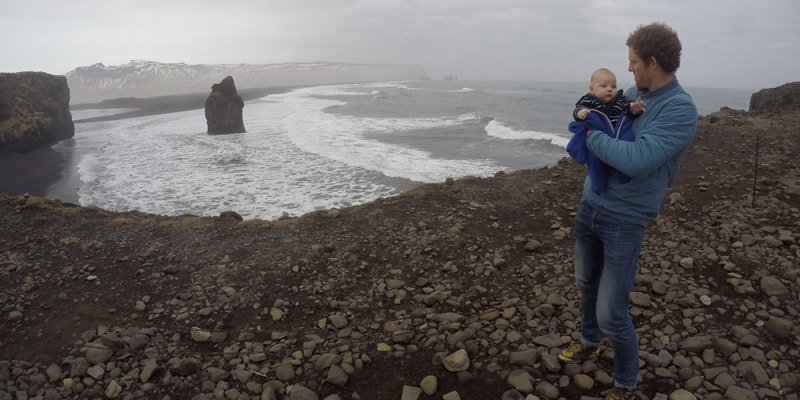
(605, 99)
(603, 96)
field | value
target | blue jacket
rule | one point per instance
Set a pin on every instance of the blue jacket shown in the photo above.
(662, 133)
(598, 170)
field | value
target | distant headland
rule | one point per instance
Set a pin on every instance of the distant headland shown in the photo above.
(141, 78)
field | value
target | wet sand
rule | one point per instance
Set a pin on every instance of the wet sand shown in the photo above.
(32, 172)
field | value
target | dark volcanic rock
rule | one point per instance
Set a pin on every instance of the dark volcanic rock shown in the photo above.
(34, 110)
(784, 97)
(224, 108)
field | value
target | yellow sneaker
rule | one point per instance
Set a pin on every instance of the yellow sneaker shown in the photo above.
(578, 353)
(619, 394)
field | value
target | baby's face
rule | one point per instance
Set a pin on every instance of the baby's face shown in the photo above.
(604, 86)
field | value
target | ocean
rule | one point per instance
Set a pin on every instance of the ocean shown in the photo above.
(326, 147)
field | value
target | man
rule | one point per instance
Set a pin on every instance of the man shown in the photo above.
(609, 226)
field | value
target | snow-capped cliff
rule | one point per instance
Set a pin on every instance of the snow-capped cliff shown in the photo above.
(141, 78)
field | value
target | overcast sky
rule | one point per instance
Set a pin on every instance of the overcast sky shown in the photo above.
(749, 44)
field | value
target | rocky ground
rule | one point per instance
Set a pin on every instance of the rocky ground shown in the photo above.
(459, 290)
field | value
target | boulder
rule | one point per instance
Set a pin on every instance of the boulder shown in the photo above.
(34, 110)
(781, 98)
(224, 109)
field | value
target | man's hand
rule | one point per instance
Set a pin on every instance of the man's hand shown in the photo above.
(583, 113)
(637, 107)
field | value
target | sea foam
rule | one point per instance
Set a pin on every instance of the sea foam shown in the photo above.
(496, 129)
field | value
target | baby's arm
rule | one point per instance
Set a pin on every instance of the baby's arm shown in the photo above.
(582, 107)
(581, 113)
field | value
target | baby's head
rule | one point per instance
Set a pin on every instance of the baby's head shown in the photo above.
(603, 84)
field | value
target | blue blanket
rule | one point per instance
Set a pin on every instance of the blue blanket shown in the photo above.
(598, 170)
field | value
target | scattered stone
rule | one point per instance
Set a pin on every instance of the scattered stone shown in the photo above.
(198, 335)
(15, 316)
(696, 344)
(551, 362)
(148, 369)
(429, 385)
(336, 376)
(682, 394)
(550, 341)
(772, 286)
(53, 372)
(739, 393)
(98, 353)
(112, 340)
(780, 327)
(410, 393)
(527, 357)
(217, 375)
(451, 396)
(583, 382)
(547, 390)
(298, 392)
(521, 380)
(113, 390)
(186, 366)
(640, 299)
(284, 373)
(457, 361)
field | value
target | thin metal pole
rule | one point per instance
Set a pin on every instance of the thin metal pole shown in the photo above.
(755, 174)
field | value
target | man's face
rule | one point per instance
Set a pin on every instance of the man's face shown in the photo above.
(642, 75)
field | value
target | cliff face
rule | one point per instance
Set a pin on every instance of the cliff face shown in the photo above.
(224, 109)
(34, 110)
(781, 98)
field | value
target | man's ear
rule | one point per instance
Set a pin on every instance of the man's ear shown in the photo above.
(651, 62)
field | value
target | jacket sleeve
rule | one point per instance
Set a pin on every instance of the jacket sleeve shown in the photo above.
(665, 135)
(584, 102)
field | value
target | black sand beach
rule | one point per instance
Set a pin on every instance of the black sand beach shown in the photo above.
(164, 104)
(31, 172)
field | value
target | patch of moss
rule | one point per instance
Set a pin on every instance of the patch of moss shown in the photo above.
(197, 223)
(255, 222)
(284, 223)
(46, 204)
(116, 222)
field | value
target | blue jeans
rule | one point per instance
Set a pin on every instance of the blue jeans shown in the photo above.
(606, 258)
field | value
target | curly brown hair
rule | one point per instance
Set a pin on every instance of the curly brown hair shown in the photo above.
(659, 41)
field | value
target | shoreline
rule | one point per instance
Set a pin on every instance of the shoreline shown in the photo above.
(51, 171)
(164, 104)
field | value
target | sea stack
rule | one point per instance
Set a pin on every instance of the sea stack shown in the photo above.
(34, 110)
(224, 109)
